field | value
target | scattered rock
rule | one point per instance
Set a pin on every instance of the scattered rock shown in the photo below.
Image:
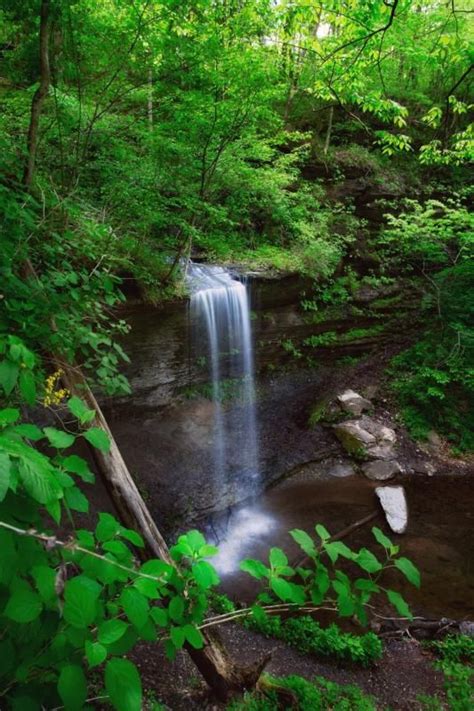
(394, 504)
(423, 467)
(367, 439)
(341, 469)
(381, 470)
(371, 391)
(353, 403)
(467, 627)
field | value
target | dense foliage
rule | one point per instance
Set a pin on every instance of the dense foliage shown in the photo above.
(133, 135)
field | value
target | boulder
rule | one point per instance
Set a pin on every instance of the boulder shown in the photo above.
(353, 403)
(394, 504)
(381, 470)
(366, 438)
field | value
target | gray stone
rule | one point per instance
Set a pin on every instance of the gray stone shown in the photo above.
(341, 469)
(353, 403)
(366, 438)
(381, 470)
(424, 467)
(394, 504)
(467, 627)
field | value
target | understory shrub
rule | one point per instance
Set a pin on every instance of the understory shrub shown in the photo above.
(318, 695)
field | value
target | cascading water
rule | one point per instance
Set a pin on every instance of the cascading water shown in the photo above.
(220, 308)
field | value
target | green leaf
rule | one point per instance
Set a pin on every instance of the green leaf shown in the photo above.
(157, 568)
(80, 410)
(8, 376)
(177, 636)
(160, 616)
(399, 604)
(334, 550)
(304, 541)
(204, 574)
(133, 537)
(107, 528)
(288, 592)
(135, 606)
(72, 687)
(194, 539)
(208, 551)
(5, 470)
(96, 653)
(76, 500)
(28, 386)
(322, 532)
(345, 604)
(111, 630)
(366, 585)
(255, 568)
(381, 538)
(277, 558)
(79, 466)
(98, 438)
(58, 438)
(29, 431)
(411, 573)
(9, 415)
(80, 601)
(23, 606)
(45, 579)
(176, 609)
(367, 561)
(193, 636)
(39, 482)
(123, 685)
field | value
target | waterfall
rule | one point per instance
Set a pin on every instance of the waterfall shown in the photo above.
(220, 314)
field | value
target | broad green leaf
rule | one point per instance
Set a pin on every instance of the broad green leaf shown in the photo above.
(158, 568)
(39, 482)
(27, 386)
(58, 438)
(255, 568)
(149, 588)
(208, 551)
(80, 410)
(123, 685)
(399, 604)
(135, 606)
(98, 438)
(193, 636)
(367, 561)
(111, 630)
(345, 604)
(133, 537)
(8, 376)
(160, 616)
(5, 469)
(76, 500)
(23, 606)
(178, 636)
(204, 574)
(411, 573)
(304, 541)
(334, 550)
(9, 416)
(80, 601)
(107, 528)
(277, 558)
(366, 585)
(29, 431)
(79, 466)
(72, 687)
(322, 532)
(96, 653)
(288, 592)
(195, 539)
(176, 609)
(45, 579)
(381, 538)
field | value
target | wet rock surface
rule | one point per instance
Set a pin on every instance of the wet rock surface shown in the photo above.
(381, 470)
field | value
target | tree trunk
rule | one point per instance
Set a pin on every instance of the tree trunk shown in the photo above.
(150, 99)
(40, 94)
(329, 131)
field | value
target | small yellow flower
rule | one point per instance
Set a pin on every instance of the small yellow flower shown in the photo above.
(51, 395)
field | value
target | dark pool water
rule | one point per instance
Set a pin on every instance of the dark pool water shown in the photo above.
(439, 539)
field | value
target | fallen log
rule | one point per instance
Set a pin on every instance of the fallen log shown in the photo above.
(420, 627)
